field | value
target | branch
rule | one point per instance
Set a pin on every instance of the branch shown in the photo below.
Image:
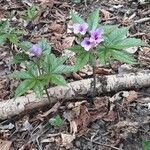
(12, 107)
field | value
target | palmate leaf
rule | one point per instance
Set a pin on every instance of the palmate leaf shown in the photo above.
(20, 57)
(117, 35)
(57, 121)
(108, 28)
(93, 20)
(77, 49)
(25, 45)
(76, 18)
(146, 145)
(123, 56)
(13, 38)
(21, 75)
(44, 44)
(127, 43)
(61, 69)
(82, 60)
(38, 89)
(24, 87)
(58, 79)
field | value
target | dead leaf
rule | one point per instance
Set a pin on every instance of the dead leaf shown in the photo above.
(144, 56)
(57, 28)
(106, 14)
(67, 42)
(103, 71)
(131, 97)
(67, 140)
(5, 145)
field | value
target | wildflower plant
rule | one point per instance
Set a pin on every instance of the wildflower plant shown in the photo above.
(42, 68)
(103, 42)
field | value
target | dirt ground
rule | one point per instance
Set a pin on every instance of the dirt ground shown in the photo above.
(124, 125)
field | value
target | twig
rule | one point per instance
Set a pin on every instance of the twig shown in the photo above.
(142, 20)
(105, 145)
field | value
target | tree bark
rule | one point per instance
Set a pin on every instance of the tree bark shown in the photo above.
(9, 108)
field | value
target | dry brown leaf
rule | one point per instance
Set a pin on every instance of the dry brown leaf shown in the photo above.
(131, 97)
(5, 145)
(67, 140)
(57, 28)
(67, 42)
(144, 56)
(106, 14)
(103, 71)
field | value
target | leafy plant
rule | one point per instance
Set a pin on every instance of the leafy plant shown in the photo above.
(146, 145)
(7, 33)
(57, 121)
(103, 42)
(31, 13)
(42, 68)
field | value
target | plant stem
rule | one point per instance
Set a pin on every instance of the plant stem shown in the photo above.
(94, 81)
(46, 91)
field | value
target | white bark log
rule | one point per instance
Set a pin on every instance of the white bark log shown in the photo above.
(9, 108)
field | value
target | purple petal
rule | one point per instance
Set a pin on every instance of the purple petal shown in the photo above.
(86, 44)
(80, 28)
(35, 50)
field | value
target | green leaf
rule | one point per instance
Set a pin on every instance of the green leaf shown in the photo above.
(82, 60)
(32, 13)
(20, 57)
(12, 38)
(63, 69)
(76, 49)
(57, 121)
(25, 45)
(21, 75)
(58, 79)
(127, 43)
(76, 18)
(123, 56)
(3, 39)
(108, 28)
(117, 35)
(44, 44)
(24, 87)
(93, 20)
(39, 89)
(146, 145)
(103, 55)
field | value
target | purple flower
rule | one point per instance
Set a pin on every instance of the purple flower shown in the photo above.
(87, 44)
(80, 28)
(35, 50)
(96, 36)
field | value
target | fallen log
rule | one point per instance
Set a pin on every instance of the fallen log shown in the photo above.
(9, 108)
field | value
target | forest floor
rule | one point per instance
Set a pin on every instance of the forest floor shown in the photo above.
(124, 125)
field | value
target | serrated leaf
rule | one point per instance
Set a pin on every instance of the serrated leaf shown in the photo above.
(127, 43)
(76, 18)
(21, 75)
(93, 20)
(82, 60)
(146, 145)
(57, 121)
(20, 57)
(123, 56)
(117, 34)
(3, 39)
(58, 79)
(108, 28)
(12, 38)
(39, 89)
(32, 13)
(103, 55)
(44, 44)
(63, 69)
(25, 45)
(76, 49)
(24, 87)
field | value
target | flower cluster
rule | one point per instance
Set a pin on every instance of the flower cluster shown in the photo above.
(88, 42)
